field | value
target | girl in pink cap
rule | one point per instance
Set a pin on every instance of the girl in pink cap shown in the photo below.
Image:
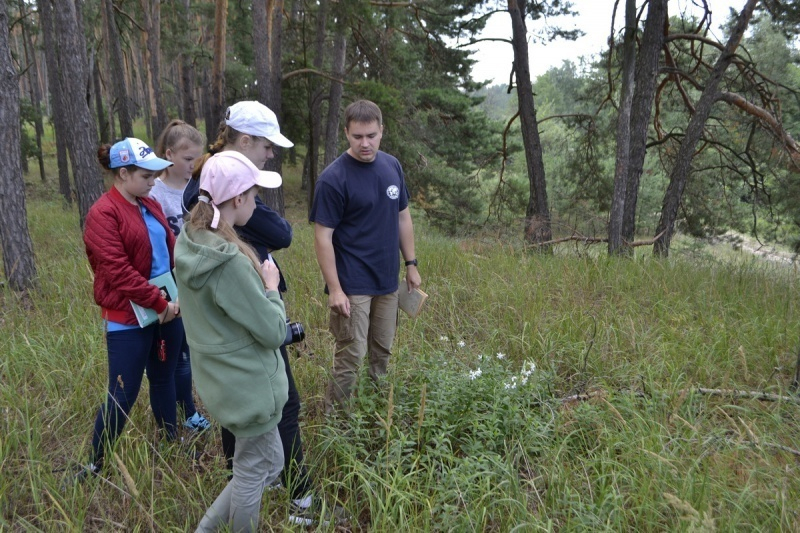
(235, 325)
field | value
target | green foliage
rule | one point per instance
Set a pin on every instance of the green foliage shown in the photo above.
(28, 115)
(473, 451)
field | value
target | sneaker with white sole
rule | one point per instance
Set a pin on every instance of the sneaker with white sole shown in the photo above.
(197, 423)
(318, 513)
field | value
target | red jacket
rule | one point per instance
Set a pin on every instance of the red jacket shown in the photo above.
(119, 252)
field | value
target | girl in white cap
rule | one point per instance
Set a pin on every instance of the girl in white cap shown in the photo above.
(235, 325)
(128, 242)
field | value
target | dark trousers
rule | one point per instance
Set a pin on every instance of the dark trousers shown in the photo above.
(294, 476)
(183, 382)
(129, 353)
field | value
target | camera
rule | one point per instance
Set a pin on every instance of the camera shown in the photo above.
(294, 333)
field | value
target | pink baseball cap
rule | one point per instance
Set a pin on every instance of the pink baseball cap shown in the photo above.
(228, 174)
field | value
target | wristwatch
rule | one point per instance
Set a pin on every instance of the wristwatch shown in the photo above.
(412, 262)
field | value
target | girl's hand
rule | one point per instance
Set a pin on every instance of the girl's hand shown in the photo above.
(171, 312)
(271, 275)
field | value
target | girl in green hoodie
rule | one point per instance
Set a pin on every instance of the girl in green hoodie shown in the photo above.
(235, 324)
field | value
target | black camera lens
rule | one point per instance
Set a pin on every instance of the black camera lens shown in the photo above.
(294, 333)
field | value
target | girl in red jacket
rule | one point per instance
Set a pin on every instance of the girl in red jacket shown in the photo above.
(128, 242)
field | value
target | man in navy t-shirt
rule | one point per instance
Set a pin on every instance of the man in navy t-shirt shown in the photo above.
(361, 224)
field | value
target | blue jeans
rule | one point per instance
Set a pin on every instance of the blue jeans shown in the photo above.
(183, 382)
(129, 353)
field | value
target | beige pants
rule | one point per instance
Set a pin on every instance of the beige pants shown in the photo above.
(368, 331)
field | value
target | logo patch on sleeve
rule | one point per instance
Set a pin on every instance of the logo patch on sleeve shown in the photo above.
(393, 192)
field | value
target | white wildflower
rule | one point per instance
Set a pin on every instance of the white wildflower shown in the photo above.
(480, 357)
(444, 338)
(500, 355)
(474, 374)
(461, 344)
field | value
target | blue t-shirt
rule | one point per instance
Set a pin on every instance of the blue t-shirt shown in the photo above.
(362, 202)
(160, 257)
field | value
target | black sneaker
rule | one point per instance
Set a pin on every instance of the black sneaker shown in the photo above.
(319, 513)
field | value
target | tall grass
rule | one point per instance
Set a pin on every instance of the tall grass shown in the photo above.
(473, 429)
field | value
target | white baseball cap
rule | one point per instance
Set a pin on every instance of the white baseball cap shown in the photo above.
(254, 118)
(229, 173)
(131, 151)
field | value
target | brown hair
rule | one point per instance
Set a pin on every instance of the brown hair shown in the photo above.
(200, 217)
(362, 111)
(177, 136)
(104, 157)
(226, 136)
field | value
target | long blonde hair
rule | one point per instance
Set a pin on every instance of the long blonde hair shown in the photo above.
(200, 218)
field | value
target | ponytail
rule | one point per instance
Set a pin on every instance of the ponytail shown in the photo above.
(226, 136)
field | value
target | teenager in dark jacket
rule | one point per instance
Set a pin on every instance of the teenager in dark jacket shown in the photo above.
(128, 242)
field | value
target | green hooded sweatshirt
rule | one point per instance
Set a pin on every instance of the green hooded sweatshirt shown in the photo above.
(234, 330)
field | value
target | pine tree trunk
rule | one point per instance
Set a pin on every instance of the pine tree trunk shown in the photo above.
(187, 74)
(642, 108)
(683, 163)
(274, 197)
(82, 135)
(122, 102)
(53, 61)
(18, 258)
(615, 243)
(151, 9)
(36, 91)
(217, 107)
(337, 89)
(315, 105)
(102, 124)
(537, 214)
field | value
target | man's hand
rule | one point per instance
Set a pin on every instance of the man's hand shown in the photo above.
(413, 279)
(339, 303)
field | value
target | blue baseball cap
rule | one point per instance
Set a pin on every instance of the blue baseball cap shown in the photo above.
(132, 151)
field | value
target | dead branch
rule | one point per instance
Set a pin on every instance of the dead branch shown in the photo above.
(769, 119)
(756, 395)
(596, 240)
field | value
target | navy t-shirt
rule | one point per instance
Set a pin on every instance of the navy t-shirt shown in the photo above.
(362, 202)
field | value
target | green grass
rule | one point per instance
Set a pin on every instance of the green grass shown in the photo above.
(433, 449)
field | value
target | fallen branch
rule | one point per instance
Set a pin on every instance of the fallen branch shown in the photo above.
(756, 395)
(595, 240)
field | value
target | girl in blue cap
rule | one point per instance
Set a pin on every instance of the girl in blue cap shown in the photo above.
(128, 242)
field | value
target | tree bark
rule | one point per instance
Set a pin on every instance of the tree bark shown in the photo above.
(274, 197)
(680, 172)
(315, 106)
(82, 137)
(53, 63)
(151, 9)
(615, 243)
(337, 89)
(36, 92)
(642, 108)
(18, 258)
(102, 124)
(217, 104)
(537, 214)
(187, 73)
(122, 103)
